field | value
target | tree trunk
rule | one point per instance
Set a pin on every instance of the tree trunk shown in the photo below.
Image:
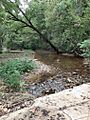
(0, 46)
(45, 39)
(30, 25)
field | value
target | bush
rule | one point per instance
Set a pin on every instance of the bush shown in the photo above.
(13, 81)
(85, 45)
(11, 71)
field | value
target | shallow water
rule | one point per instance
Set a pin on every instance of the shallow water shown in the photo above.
(70, 71)
(64, 63)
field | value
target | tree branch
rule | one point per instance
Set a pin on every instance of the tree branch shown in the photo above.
(23, 14)
(19, 28)
(17, 19)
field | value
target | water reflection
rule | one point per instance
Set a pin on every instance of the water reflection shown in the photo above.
(63, 62)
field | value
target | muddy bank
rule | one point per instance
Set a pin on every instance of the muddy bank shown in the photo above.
(13, 101)
(42, 71)
(56, 83)
(53, 74)
(10, 102)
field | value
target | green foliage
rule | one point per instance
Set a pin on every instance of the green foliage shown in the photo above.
(65, 22)
(68, 22)
(13, 80)
(11, 71)
(85, 45)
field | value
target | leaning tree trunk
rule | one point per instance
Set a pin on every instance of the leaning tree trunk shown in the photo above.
(30, 25)
(45, 39)
(0, 46)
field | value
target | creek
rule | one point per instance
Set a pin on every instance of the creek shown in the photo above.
(69, 71)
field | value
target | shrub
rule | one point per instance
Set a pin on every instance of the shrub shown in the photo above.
(85, 45)
(13, 81)
(11, 71)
